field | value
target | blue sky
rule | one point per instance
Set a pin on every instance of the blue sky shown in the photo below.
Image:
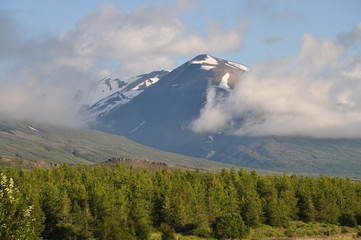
(304, 56)
(271, 28)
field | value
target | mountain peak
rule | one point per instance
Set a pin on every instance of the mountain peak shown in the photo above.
(111, 93)
(204, 59)
(209, 62)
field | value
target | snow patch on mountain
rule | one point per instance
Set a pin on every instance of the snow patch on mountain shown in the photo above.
(110, 93)
(32, 128)
(207, 67)
(224, 83)
(211, 154)
(237, 65)
(136, 128)
(107, 87)
(146, 83)
(208, 60)
(107, 104)
(211, 138)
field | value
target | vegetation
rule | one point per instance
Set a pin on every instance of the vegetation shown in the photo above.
(15, 216)
(120, 202)
(20, 143)
(230, 225)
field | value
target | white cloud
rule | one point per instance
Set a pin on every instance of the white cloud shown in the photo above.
(155, 33)
(213, 116)
(41, 76)
(316, 93)
(318, 54)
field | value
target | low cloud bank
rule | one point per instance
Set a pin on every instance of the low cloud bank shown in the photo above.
(316, 93)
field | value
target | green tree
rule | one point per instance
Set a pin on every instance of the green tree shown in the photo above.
(270, 202)
(140, 198)
(52, 208)
(307, 211)
(327, 201)
(250, 202)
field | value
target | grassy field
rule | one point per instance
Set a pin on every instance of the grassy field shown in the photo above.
(303, 230)
(298, 230)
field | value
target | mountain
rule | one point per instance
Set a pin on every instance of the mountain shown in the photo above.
(110, 93)
(161, 116)
(30, 145)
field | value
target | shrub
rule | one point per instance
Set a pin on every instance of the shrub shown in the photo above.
(345, 230)
(230, 225)
(202, 232)
(15, 217)
(347, 219)
(290, 233)
(358, 218)
(167, 232)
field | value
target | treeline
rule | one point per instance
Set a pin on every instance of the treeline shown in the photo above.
(100, 202)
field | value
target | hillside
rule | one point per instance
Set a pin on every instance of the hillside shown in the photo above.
(20, 140)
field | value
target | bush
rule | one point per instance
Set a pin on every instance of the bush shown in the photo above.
(167, 232)
(290, 233)
(15, 216)
(202, 232)
(142, 229)
(347, 219)
(230, 225)
(345, 230)
(188, 228)
(358, 218)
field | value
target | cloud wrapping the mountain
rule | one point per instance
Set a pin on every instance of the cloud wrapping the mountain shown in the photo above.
(147, 38)
(45, 77)
(316, 93)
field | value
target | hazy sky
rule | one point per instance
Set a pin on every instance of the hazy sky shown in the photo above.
(52, 50)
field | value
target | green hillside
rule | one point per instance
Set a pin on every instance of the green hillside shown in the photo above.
(70, 145)
(21, 143)
(301, 155)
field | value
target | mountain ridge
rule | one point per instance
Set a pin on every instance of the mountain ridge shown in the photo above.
(110, 93)
(161, 117)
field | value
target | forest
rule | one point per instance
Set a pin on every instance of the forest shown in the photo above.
(122, 202)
